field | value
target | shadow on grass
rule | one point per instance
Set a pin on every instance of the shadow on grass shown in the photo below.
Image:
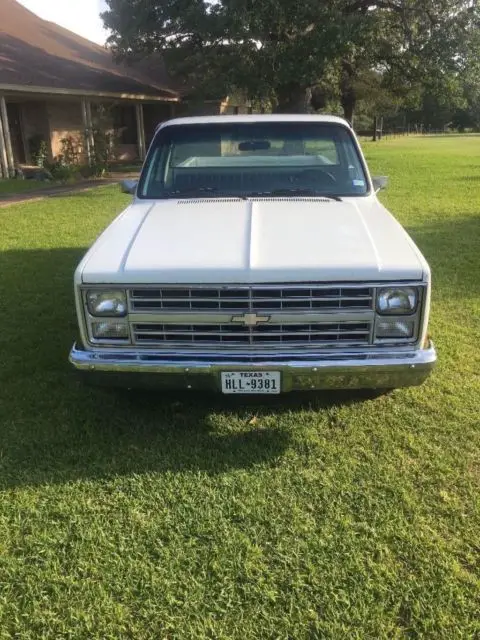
(451, 246)
(55, 429)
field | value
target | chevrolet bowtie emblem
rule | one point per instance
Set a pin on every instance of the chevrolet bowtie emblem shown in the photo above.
(250, 319)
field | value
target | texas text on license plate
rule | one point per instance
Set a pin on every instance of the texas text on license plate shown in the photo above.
(251, 382)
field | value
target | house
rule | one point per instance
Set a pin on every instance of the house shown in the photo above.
(53, 83)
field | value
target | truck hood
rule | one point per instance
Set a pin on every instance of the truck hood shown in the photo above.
(247, 241)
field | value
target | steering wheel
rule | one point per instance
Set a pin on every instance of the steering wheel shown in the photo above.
(316, 175)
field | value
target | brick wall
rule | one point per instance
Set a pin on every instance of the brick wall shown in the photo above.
(65, 120)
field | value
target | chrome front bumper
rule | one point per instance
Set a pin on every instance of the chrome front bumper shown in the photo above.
(378, 369)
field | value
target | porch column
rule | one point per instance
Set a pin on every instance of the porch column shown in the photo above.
(140, 131)
(4, 173)
(88, 129)
(85, 130)
(6, 138)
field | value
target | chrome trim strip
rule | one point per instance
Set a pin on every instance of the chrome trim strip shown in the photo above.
(263, 285)
(299, 317)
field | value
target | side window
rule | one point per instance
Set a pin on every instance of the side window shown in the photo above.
(157, 171)
(355, 171)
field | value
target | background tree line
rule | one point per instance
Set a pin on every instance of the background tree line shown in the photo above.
(413, 60)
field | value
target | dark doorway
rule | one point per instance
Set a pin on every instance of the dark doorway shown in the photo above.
(15, 126)
(153, 115)
(125, 123)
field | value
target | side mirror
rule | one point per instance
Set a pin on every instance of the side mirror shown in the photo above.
(129, 186)
(379, 183)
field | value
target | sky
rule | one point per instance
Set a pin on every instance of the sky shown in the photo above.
(79, 16)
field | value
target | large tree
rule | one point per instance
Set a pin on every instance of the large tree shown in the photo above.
(280, 50)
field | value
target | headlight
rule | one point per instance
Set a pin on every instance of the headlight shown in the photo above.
(397, 329)
(109, 330)
(107, 303)
(394, 301)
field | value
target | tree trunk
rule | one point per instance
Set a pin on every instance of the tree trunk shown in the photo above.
(348, 106)
(292, 98)
(348, 97)
(319, 98)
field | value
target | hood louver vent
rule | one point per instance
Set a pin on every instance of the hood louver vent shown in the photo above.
(208, 200)
(235, 199)
(297, 199)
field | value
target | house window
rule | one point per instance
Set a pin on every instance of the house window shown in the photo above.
(125, 124)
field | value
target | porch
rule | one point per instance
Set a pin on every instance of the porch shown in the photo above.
(28, 118)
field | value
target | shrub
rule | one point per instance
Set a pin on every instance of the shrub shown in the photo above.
(64, 172)
(105, 141)
(38, 150)
(70, 153)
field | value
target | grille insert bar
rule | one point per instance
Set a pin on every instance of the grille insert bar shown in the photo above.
(253, 298)
(353, 334)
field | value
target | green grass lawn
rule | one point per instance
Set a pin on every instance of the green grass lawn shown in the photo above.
(133, 167)
(12, 186)
(166, 517)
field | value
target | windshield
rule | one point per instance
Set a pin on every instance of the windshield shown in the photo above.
(253, 159)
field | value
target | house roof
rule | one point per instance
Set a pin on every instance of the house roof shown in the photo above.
(39, 54)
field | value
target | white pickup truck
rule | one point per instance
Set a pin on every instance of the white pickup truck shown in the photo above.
(254, 258)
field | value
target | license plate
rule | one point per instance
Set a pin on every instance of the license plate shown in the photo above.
(251, 382)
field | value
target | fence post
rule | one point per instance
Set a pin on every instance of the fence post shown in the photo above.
(374, 129)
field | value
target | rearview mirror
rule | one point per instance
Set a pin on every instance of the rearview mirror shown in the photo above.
(129, 186)
(254, 145)
(379, 183)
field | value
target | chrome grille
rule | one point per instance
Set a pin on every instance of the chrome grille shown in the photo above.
(255, 298)
(291, 335)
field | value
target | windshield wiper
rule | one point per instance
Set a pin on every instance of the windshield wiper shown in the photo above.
(275, 193)
(292, 192)
(191, 191)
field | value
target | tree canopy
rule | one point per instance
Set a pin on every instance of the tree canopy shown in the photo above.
(282, 51)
